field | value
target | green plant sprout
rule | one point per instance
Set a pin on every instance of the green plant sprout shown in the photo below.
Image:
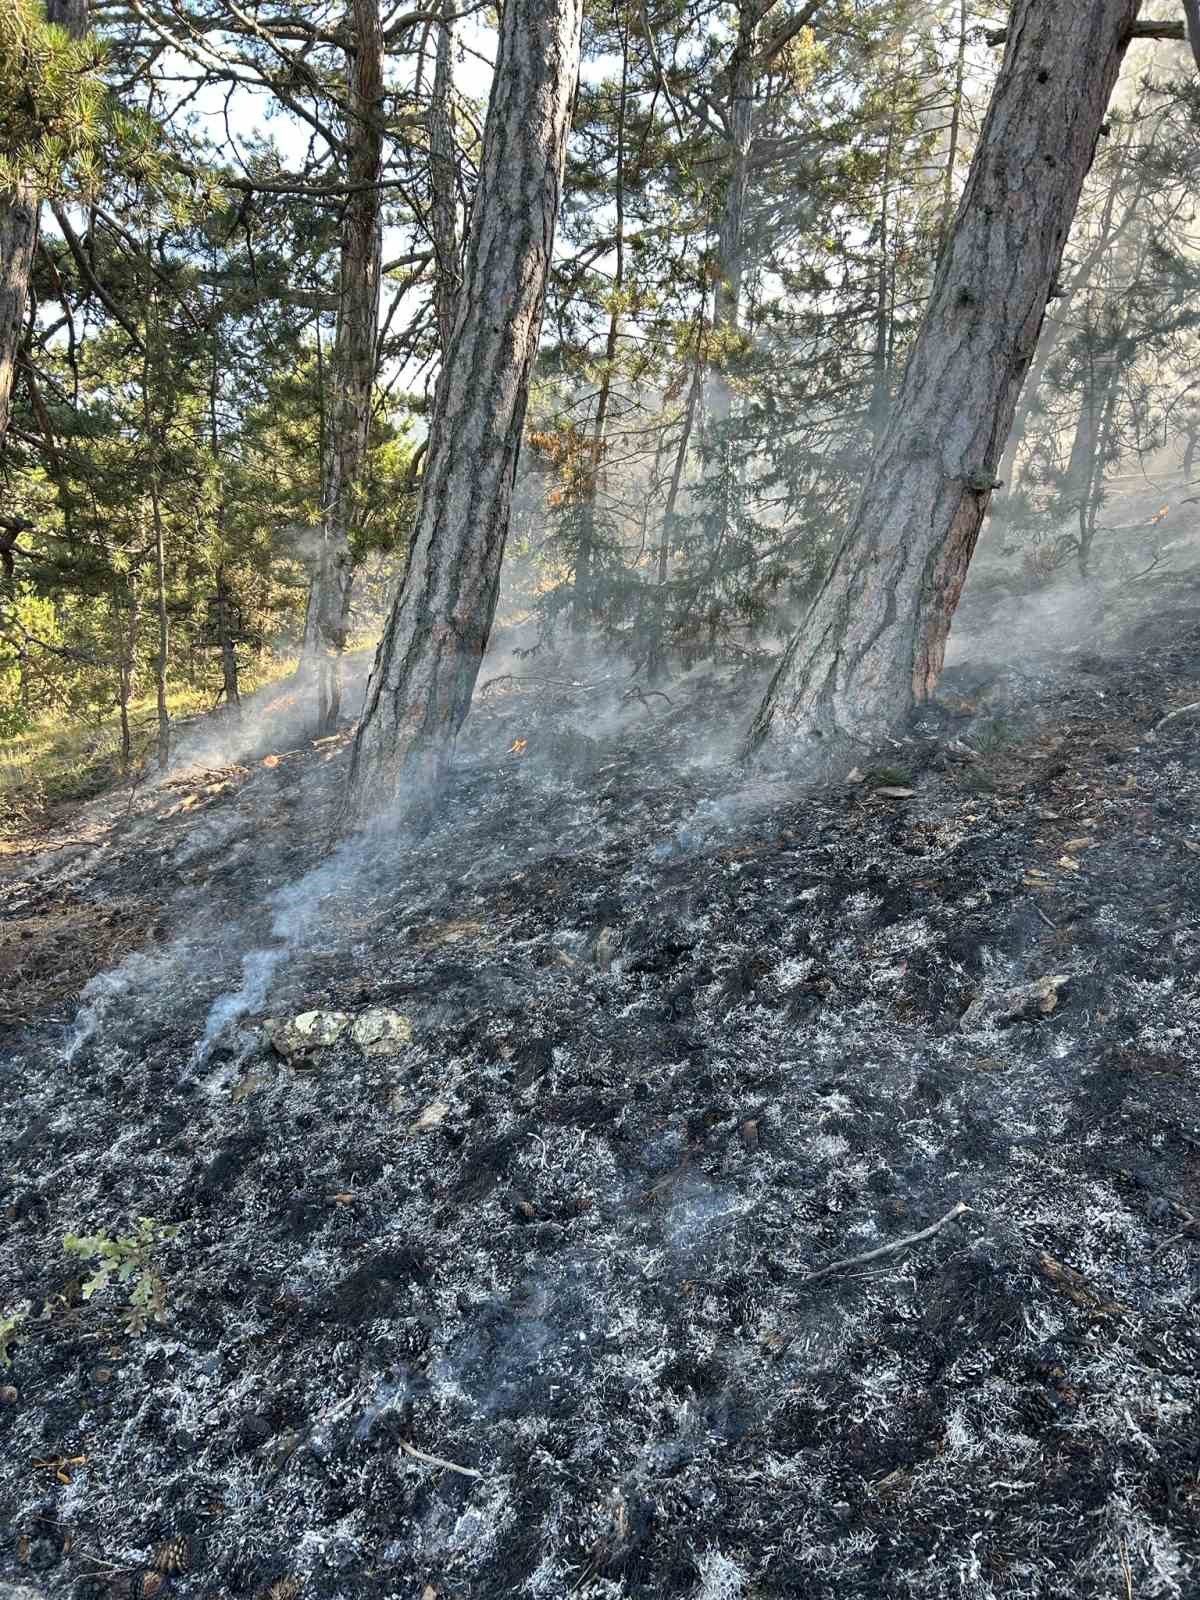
(128, 1259)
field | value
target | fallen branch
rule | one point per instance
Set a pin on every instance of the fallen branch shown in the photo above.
(645, 695)
(896, 1245)
(437, 1461)
(1183, 711)
(1076, 1287)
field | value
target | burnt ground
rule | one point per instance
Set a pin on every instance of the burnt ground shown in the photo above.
(682, 1037)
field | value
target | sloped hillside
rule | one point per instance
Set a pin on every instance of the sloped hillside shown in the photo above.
(563, 1250)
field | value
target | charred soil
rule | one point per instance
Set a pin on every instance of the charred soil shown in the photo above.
(531, 1301)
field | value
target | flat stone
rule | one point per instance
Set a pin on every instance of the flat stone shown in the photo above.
(380, 1032)
(294, 1037)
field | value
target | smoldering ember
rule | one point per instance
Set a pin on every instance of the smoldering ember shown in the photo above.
(599, 800)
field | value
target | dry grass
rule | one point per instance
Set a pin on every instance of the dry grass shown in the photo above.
(63, 760)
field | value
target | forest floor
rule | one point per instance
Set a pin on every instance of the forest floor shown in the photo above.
(71, 756)
(531, 1283)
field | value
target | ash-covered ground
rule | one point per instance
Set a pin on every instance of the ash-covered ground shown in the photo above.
(682, 1036)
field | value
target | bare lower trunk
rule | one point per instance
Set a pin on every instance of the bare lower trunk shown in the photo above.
(1085, 464)
(658, 645)
(873, 642)
(229, 668)
(160, 660)
(1089, 508)
(353, 360)
(126, 659)
(428, 659)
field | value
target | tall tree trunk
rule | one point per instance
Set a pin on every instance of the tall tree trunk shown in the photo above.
(353, 358)
(164, 636)
(126, 663)
(1103, 371)
(229, 667)
(727, 292)
(880, 363)
(1095, 489)
(874, 639)
(1107, 238)
(225, 610)
(583, 601)
(18, 239)
(154, 428)
(443, 181)
(429, 656)
(960, 63)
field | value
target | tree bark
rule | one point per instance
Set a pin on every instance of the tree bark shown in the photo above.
(960, 63)
(1105, 242)
(429, 656)
(443, 208)
(353, 359)
(164, 634)
(874, 639)
(880, 360)
(126, 664)
(229, 667)
(583, 601)
(18, 239)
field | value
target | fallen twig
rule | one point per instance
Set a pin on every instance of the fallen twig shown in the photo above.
(1167, 1243)
(552, 683)
(437, 1461)
(1183, 711)
(645, 696)
(956, 1211)
(1076, 1287)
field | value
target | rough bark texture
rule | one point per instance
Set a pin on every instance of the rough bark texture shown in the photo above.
(443, 208)
(874, 639)
(18, 240)
(353, 357)
(428, 659)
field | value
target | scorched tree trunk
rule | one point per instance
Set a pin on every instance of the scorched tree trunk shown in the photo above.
(353, 362)
(874, 639)
(428, 659)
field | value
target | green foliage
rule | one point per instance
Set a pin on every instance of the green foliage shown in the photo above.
(51, 100)
(130, 1259)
